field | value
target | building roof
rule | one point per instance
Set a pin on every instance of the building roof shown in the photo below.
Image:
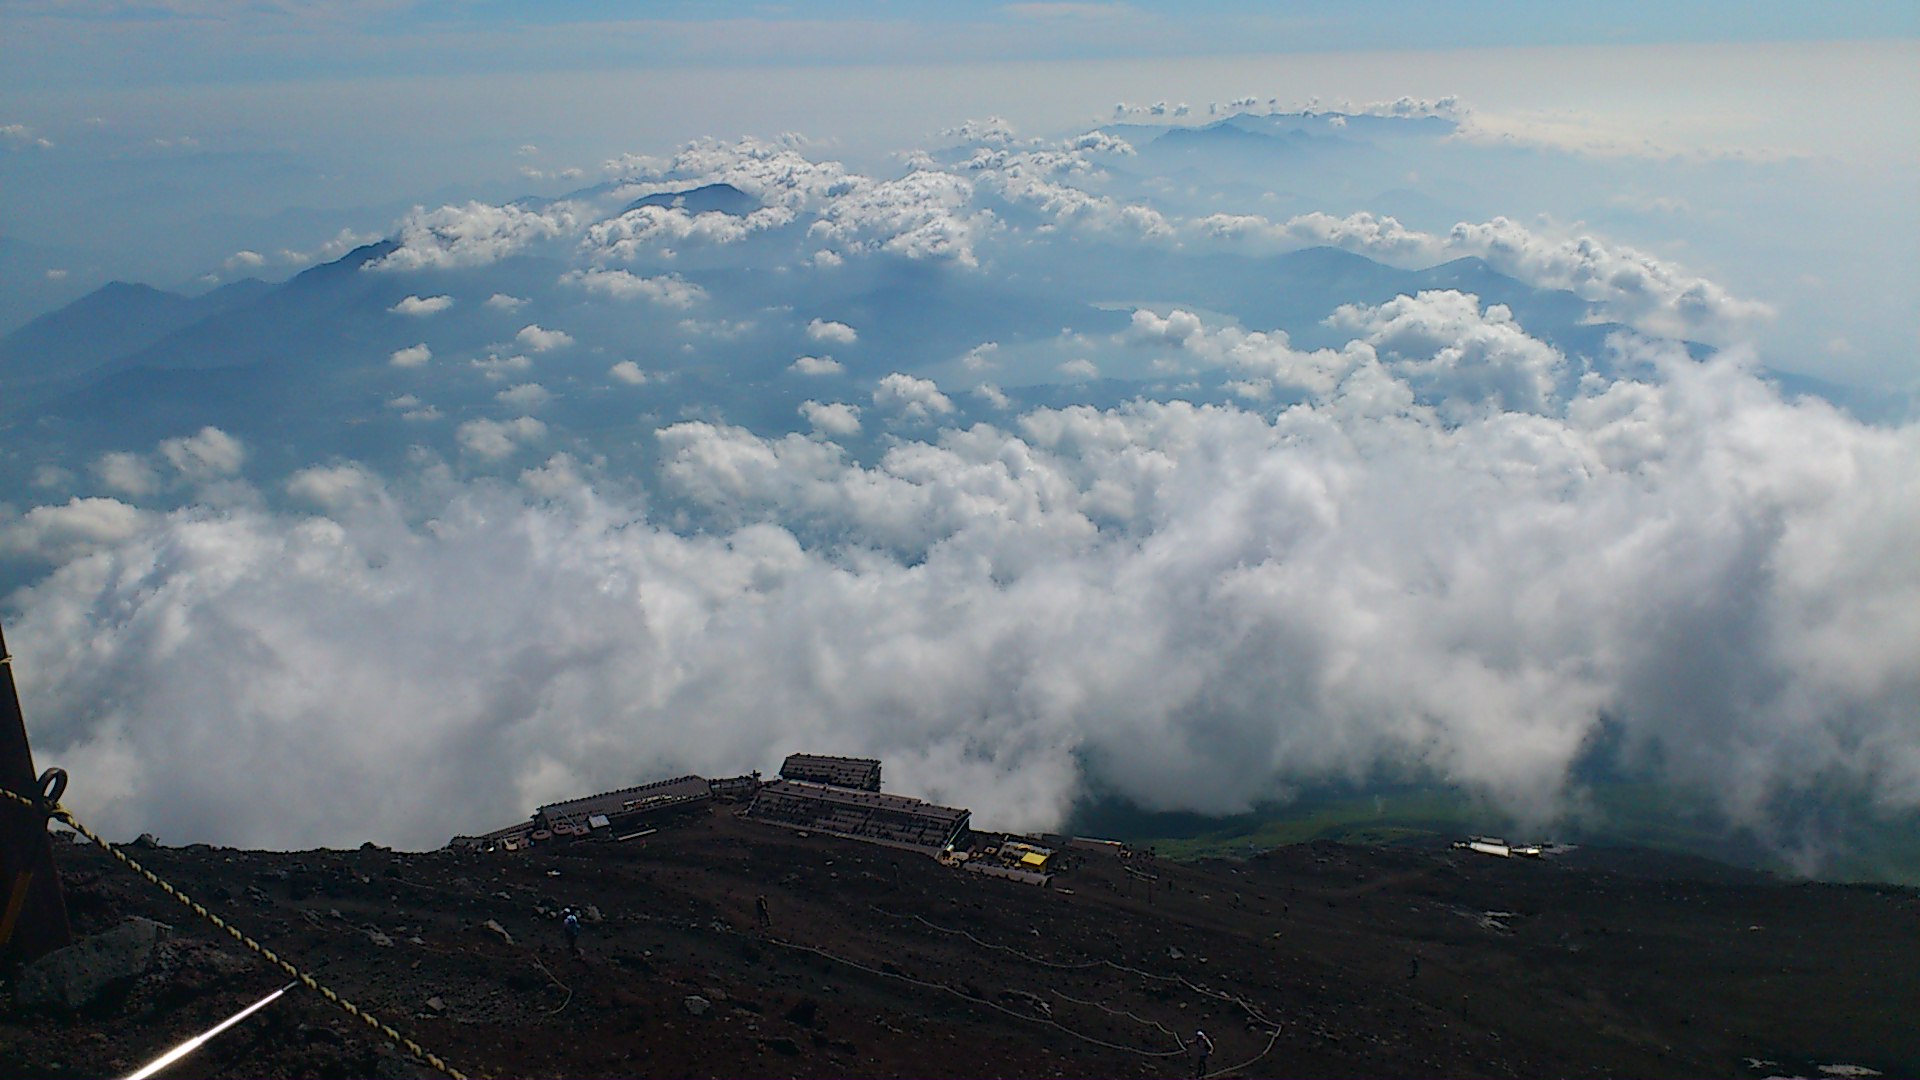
(849, 772)
(658, 795)
(895, 820)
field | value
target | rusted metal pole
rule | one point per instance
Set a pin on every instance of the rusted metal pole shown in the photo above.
(33, 913)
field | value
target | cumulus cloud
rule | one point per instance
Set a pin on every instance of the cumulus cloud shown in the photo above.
(206, 455)
(60, 534)
(422, 305)
(536, 338)
(1193, 606)
(526, 396)
(832, 418)
(411, 356)
(912, 398)
(1645, 292)
(833, 333)
(1080, 368)
(660, 229)
(333, 487)
(495, 439)
(17, 135)
(499, 367)
(128, 474)
(816, 365)
(628, 372)
(474, 234)
(923, 215)
(669, 290)
(1442, 549)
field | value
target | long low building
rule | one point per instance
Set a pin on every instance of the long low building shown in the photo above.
(615, 809)
(847, 772)
(893, 820)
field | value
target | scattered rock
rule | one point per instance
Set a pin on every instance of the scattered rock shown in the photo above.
(698, 1005)
(498, 929)
(89, 969)
(594, 916)
(436, 1004)
(378, 938)
(146, 840)
(1173, 953)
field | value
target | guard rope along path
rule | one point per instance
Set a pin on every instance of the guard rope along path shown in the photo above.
(54, 781)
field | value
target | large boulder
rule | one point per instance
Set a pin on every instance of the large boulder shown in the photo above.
(88, 970)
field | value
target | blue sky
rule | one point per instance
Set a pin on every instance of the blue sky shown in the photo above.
(91, 45)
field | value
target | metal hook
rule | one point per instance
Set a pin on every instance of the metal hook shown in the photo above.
(53, 784)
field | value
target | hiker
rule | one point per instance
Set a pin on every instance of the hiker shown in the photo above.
(1201, 1048)
(765, 913)
(570, 922)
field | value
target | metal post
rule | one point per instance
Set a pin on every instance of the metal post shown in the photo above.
(33, 914)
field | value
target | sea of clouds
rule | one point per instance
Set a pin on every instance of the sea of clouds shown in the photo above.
(1441, 550)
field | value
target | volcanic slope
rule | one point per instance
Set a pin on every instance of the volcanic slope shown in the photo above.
(1316, 959)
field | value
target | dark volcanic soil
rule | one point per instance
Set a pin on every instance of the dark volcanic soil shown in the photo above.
(882, 963)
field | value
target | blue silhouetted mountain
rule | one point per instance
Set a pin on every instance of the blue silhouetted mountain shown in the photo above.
(712, 198)
(113, 321)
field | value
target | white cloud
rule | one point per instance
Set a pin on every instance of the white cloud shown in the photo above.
(535, 338)
(495, 439)
(245, 260)
(422, 305)
(61, 534)
(1081, 369)
(525, 396)
(206, 455)
(333, 487)
(1196, 607)
(833, 333)
(1635, 288)
(499, 367)
(22, 135)
(128, 474)
(669, 290)
(503, 302)
(411, 356)
(628, 372)
(993, 131)
(913, 398)
(923, 215)
(474, 234)
(993, 396)
(832, 418)
(981, 356)
(1450, 351)
(559, 477)
(659, 230)
(816, 365)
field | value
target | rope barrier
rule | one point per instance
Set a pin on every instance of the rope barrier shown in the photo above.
(60, 813)
(49, 806)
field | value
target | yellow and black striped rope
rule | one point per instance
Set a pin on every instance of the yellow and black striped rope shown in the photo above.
(61, 813)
